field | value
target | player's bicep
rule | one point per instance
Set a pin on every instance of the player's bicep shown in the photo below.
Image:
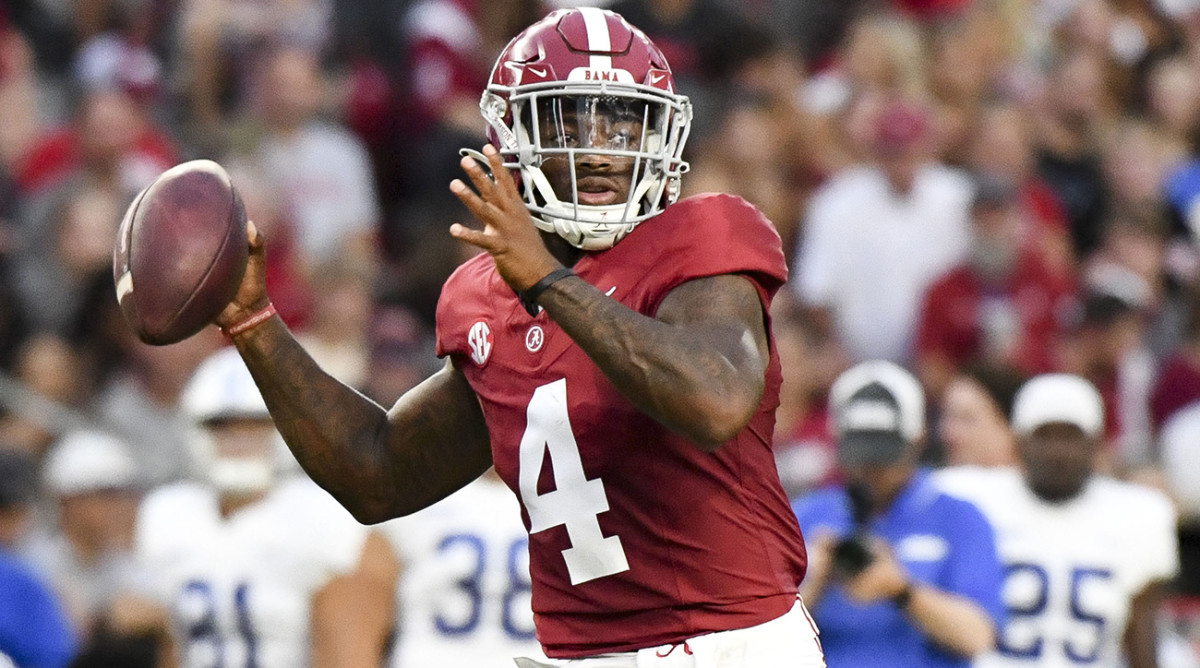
(725, 310)
(437, 438)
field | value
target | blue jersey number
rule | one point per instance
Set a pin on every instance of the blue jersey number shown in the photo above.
(1037, 606)
(1080, 578)
(471, 585)
(199, 603)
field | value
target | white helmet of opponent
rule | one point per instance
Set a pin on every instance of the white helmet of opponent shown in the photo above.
(222, 389)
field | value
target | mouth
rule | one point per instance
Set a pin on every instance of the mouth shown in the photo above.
(597, 191)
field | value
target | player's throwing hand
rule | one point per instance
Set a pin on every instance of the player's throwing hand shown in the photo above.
(251, 296)
(508, 233)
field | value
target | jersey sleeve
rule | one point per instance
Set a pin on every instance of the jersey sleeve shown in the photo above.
(166, 520)
(332, 536)
(714, 234)
(406, 535)
(323, 540)
(34, 629)
(457, 302)
(1158, 543)
(974, 569)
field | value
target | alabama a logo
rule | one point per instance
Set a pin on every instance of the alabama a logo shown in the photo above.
(480, 341)
(534, 339)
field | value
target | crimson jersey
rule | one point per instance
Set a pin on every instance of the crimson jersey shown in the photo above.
(637, 536)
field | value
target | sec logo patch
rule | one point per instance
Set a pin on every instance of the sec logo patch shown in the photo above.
(480, 341)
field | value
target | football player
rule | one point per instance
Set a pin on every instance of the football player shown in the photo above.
(260, 569)
(610, 354)
(1086, 556)
(464, 581)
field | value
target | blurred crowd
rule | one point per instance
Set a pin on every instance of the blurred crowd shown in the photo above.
(978, 190)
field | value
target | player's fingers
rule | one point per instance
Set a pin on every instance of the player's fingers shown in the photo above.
(474, 203)
(473, 237)
(506, 186)
(483, 183)
(257, 239)
(504, 178)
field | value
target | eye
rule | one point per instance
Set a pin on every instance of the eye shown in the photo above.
(623, 138)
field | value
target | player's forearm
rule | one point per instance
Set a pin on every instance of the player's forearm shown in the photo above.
(954, 622)
(378, 464)
(702, 381)
(366, 596)
(1141, 631)
(812, 588)
(334, 431)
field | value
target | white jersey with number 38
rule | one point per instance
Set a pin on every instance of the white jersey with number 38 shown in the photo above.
(464, 581)
(1073, 568)
(240, 588)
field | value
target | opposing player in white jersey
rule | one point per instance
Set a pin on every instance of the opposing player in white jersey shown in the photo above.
(1086, 556)
(464, 581)
(260, 569)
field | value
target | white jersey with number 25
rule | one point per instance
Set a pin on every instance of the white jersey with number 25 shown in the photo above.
(1072, 568)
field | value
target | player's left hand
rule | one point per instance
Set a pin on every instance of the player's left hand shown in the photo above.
(508, 234)
(883, 579)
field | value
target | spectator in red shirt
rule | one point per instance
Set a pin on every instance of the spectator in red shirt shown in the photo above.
(1002, 305)
(805, 451)
(1003, 145)
(1106, 345)
(1178, 382)
(111, 137)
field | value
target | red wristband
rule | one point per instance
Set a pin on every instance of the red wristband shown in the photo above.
(250, 322)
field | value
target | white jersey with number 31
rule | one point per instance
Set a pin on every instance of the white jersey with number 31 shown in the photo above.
(1072, 569)
(240, 588)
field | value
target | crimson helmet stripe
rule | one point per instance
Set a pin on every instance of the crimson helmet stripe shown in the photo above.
(596, 22)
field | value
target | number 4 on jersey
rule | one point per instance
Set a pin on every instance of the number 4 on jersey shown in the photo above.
(575, 501)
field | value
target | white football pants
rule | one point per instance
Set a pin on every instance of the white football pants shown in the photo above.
(789, 641)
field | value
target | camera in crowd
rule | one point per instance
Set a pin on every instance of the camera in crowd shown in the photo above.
(853, 554)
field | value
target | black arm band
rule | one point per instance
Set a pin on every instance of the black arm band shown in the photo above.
(903, 597)
(529, 297)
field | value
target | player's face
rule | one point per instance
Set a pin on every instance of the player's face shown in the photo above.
(104, 515)
(883, 481)
(242, 438)
(242, 463)
(1058, 459)
(583, 123)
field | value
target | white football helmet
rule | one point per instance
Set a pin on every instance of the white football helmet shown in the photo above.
(222, 389)
(615, 90)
